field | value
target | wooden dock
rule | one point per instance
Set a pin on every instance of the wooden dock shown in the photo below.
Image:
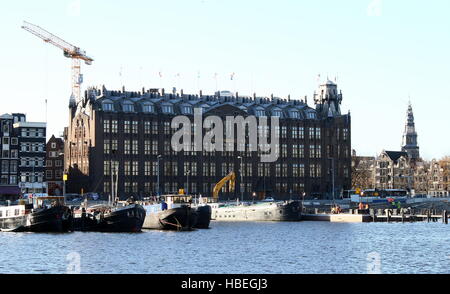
(379, 215)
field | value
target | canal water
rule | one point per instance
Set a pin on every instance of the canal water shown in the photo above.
(303, 247)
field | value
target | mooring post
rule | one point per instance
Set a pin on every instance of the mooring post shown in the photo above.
(403, 216)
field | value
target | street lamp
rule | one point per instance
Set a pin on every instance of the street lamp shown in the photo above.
(158, 187)
(332, 177)
(187, 179)
(242, 181)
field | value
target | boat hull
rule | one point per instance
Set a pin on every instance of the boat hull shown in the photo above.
(50, 220)
(203, 217)
(178, 219)
(272, 211)
(128, 219)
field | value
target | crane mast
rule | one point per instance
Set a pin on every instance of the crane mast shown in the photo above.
(70, 51)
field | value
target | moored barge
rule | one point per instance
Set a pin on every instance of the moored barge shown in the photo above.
(122, 217)
(39, 214)
(170, 212)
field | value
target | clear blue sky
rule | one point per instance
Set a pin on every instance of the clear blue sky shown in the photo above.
(382, 51)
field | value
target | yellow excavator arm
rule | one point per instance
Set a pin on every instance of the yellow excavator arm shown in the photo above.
(231, 177)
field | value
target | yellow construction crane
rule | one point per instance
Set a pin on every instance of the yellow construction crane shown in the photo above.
(231, 177)
(70, 51)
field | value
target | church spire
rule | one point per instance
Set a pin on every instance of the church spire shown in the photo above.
(409, 143)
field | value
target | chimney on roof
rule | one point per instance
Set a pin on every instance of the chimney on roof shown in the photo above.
(162, 92)
(254, 96)
(271, 96)
(306, 100)
(123, 89)
(181, 92)
(289, 97)
(201, 93)
(237, 94)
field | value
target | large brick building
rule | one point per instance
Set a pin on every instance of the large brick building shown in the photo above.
(132, 130)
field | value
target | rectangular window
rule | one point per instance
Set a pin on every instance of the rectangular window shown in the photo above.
(107, 146)
(135, 126)
(127, 168)
(49, 174)
(106, 126)
(167, 129)
(278, 170)
(127, 147)
(126, 126)
(155, 147)
(301, 132)
(106, 168)
(148, 168)
(155, 127)
(301, 170)
(114, 127)
(312, 151)
(13, 166)
(147, 127)
(135, 147)
(114, 145)
(106, 187)
(311, 133)
(147, 147)
(135, 171)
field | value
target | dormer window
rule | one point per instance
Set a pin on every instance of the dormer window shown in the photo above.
(277, 112)
(311, 115)
(107, 106)
(260, 112)
(187, 109)
(295, 114)
(128, 107)
(148, 108)
(167, 108)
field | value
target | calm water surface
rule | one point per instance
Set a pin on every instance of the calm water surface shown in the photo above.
(304, 247)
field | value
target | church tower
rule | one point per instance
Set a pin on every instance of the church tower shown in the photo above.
(409, 144)
(328, 100)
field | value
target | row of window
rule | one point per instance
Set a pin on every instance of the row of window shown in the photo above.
(32, 147)
(152, 127)
(7, 141)
(151, 147)
(14, 153)
(32, 133)
(49, 174)
(131, 168)
(9, 166)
